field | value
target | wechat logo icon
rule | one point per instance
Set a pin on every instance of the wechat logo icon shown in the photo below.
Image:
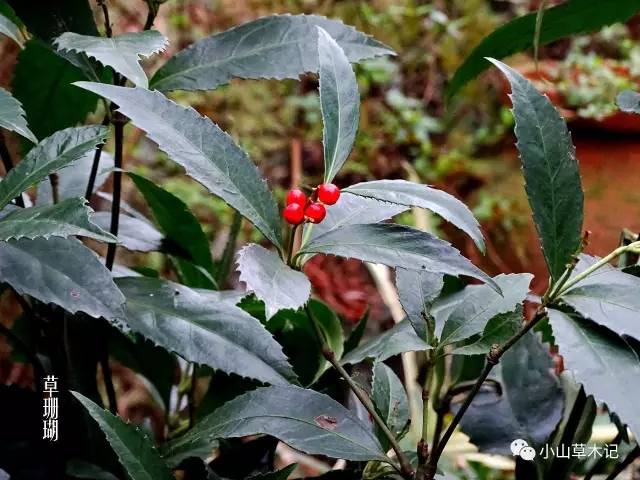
(520, 448)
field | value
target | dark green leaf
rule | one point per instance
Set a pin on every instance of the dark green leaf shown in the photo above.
(552, 179)
(10, 29)
(12, 114)
(67, 218)
(602, 362)
(82, 469)
(278, 46)
(396, 246)
(42, 83)
(308, 421)
(135, 450)
(413, 194)
(417, 292)
(354, 338)
(121, 52)
(207, 153)
(53, 153)
(529, 405)
(569, 18)
(498, 330)
(399, 339)
(390, 399)
(63, 272)
(482, 304)
(339, 102)
(202, 329)
(133, 233)
(279, 475)
(628, 101)
(274, 282)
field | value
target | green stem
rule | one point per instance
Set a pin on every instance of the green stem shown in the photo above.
(292, 240)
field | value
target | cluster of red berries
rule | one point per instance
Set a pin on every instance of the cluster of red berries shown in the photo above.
(300, 208)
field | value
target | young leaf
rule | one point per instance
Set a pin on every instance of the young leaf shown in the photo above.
(339, 102)
(135, 450)
(306, 420)
(51, 154)
(552, 179)
(569, 18)
(482, 304)
(396, 246)
(62, 272)
(121, 52)
(399, 339)
(201, 330)
(9, 29)
(207, 153)
(67, 218)
(417, 292)
(602, 362)
(12, 115)
(498, 330)
(412, 194)
(275, 283)
(390, 399)
(278, 47)
(528, 406)
(134, 234)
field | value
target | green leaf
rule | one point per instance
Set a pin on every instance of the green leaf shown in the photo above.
(12, 115)
(498, 330)
(602, 362)
(339, 102)
(207, 153)
(417, 291)
(628, 101)
(273, 281)
(528, 405)
(552, 179)
(399, 339)
(562, 21)
(395, 246)
(53, 153)
(67, 218)
(306, 420)
(11, 30)
(135, 450)
(412, 194)
(279, 475)
(121, 52)
(180, 227)
(63, 272)
(390, 399)
(482, 304)
(278, 47)
(134, 234)
(42, 83)
(201, 329)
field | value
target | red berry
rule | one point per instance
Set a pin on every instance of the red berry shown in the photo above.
(328, 193)
(315, 212)
(296, 195)
(294, 214)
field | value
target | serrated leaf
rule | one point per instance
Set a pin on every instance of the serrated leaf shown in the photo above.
(135, 450)
(208, 154)
(498, 330)
(528, 406)
(51, 154)
(270, 47)
(417, 291)
(482, 304)
(12, 115)
(67, 218)
(602, 362)
(569, 18)
(399, 339)
(628, 101)
(275, 283)
(134, 233)
(552, 179)
(390, 399)
(191, 324)
(339, 102)
(413, 194)
(10, 29)
(63, 272)
(306, 420)
(121, 52)
(396, 246)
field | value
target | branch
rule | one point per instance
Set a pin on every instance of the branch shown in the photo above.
(96, 163)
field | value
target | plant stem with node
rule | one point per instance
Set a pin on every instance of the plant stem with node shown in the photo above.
(406, 469)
